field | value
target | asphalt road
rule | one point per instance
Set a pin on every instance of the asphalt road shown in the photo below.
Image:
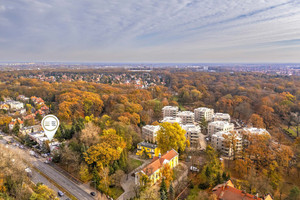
(61, 180)
(53, 174)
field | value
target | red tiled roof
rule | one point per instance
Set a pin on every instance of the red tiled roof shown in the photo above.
(157, 163)
(226, 192)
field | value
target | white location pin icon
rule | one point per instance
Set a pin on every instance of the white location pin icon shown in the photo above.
(50, 124)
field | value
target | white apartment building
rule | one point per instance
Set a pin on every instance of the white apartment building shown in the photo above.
(221, 117)
(221, 144)
(193, 133)
(172, 120)
(257, 131)
(15, 105)
(201, 112)
(170, 111)
(187, 117)
(216, 126)
(149, 132)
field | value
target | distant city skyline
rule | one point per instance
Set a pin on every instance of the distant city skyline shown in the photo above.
(175, 31)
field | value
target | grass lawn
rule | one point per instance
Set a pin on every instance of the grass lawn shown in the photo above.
(133, 164)
(116, 192)
(292, 131)
(193, 195)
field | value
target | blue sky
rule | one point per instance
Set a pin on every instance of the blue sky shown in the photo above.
(150, 30)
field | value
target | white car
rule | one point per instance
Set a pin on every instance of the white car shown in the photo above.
(194, 169)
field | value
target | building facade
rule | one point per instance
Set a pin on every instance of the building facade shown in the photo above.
(201, 112)
(149, 133)
(170, 111)
(147, 148)
(217, 126)
(153, 170)
(187, 117)
(221, 117)
(225, 146)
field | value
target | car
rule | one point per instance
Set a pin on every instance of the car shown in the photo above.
(46, 162)
(194, 169)
(60, 193)
(93, 193)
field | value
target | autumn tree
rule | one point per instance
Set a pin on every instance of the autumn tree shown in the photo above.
(167, 174)
(171, 136)
(256, 121)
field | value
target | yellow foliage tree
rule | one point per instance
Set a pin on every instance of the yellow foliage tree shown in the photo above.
(171, 136)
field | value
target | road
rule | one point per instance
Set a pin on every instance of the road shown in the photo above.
(63, 181)
(77, 190)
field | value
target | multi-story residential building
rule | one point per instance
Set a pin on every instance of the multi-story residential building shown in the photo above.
(170, 111)
(193, 133)
(223, 145)
(216, 126)
(221, 117)
(201, 112)
(257, 131)
(172, 120)
(147, 148)
(149, 132)
(153, 170)
(15, 105)
(187, 117)
(227, 191)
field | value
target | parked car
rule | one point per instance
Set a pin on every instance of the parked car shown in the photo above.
(194, 169)
(93, 193)
(60, 193)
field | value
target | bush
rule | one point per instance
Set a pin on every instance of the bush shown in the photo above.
(203, 186)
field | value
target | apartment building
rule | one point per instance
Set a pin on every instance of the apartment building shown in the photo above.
(193, 133)
(257, 131)
(15, 105)
(201, 112)
(221, 117)
(219, 142)
(170, 111)
(149, 132)
(172, 120)
(217, 126)
(187, 117)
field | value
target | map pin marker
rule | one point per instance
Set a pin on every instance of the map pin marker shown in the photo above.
(50, 124)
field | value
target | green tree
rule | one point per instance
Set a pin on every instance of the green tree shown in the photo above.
(171, 192)
(294, 193)
(163, 190)
(16, 129)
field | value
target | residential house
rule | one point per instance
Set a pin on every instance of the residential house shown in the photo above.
(15, 105)
(149, 149)
(30, 129)
(4, 106)
(227, 191)
(12, 124)
(153, 169)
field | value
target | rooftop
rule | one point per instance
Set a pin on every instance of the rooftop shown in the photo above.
(146, 144)
(158, 163)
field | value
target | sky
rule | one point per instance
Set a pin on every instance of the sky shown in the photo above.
(150, 30)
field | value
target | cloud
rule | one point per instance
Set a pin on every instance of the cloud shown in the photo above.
(149, 30)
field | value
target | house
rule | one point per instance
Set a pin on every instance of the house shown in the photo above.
(22, 98)
(12, 124)
(15, 105)
(227, 191)
(153, 169)
(30, 129)
(27, 117)
(45, 108)
(150, 149)
(4, 106)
